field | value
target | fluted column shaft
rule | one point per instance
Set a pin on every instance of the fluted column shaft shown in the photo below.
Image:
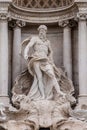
(16, 59)
(4, 15)
(67, 50)
(4, 60)
(82, 43)
(82, 61)
(4, 57)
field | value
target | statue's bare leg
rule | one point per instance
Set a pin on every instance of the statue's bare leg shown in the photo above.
(39, 77)
(57, 87)
(54, 80)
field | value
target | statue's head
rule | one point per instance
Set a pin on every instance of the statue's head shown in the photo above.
(42, 30)
(42, 27)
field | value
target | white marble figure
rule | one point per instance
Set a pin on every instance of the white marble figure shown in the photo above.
(41, 66)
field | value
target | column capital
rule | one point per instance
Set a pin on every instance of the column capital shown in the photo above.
(82, 9)
(20, 23)
(82, 16)
(4, 13)
(63, 23)
(17, 23)
(67, 23)
(4, 16)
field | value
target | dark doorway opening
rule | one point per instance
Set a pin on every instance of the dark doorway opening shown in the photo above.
(44, 129)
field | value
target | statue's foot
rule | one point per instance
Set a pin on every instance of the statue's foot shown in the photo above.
(43, 97)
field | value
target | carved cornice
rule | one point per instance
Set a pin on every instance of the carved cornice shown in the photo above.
(82, 6)
(77, 10)
(45, 16)
(81, 3)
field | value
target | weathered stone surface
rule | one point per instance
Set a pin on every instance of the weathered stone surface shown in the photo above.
(69, 47)
(45, 110)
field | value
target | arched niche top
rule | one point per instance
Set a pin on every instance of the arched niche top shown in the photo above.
(43, 4)
(42, 11)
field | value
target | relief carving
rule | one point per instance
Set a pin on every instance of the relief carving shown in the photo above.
(42, 3)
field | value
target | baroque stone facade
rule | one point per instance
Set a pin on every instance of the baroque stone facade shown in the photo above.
(67, 30)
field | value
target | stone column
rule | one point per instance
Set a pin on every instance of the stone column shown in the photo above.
(16, 60)
(4, 51)
(4, 60)
(82, 44)
(67, 49)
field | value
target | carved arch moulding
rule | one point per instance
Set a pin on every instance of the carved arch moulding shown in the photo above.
(43, 4)
(39, 12)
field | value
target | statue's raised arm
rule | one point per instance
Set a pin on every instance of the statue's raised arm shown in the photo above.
(26, 51)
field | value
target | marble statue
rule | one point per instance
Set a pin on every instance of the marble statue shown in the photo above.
(41, 66)
(42, 76)
(42, 96)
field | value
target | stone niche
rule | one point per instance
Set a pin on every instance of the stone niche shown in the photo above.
(43, 99)
(41, 93)
(55, 35)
